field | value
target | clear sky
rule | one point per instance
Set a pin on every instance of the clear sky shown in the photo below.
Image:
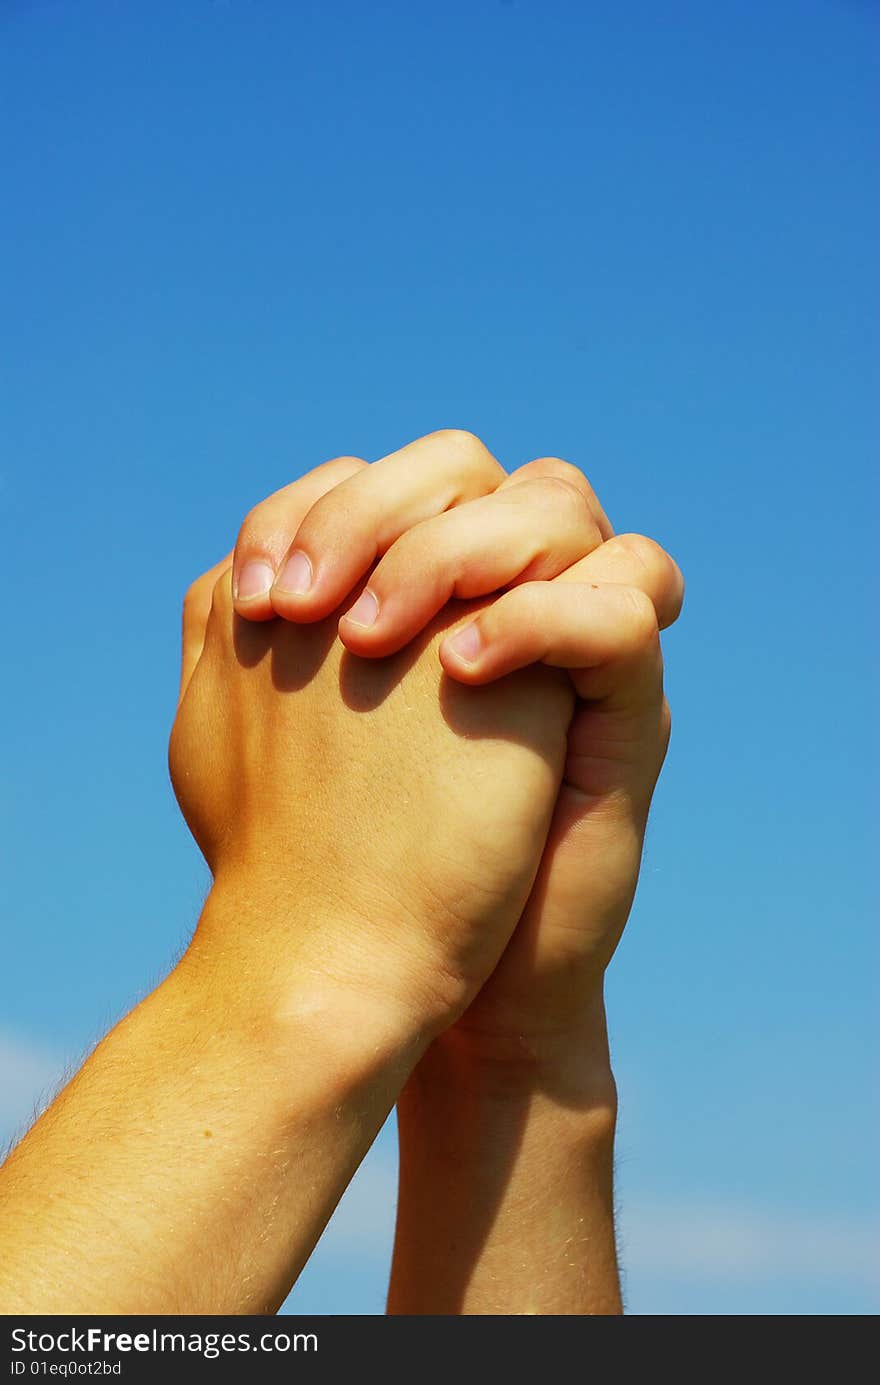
(238, 239)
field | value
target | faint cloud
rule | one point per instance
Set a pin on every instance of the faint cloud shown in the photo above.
(29, 1076)
(732, 1243)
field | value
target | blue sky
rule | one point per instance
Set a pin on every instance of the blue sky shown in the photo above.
(238, 239)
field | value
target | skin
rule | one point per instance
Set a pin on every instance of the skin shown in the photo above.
(196, 1157)
(507, 1123)
(194, 1160)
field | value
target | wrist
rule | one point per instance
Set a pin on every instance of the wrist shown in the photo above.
(570, 1065)
(259, 968)
(506, 1164)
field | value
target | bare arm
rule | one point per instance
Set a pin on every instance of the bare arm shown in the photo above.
(192, 1163)
(506, 1201)
(507, 1123)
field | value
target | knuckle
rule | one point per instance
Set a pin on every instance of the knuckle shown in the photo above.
(561, 491)
(197, 599)
(250, 528)
(347, 462)
(221, 594)
(191, 599)
(641, 616)
(559, 469)
(647, 552)
(524, 602)
(676, 586)
(468, 448)
(658, 564)
(639, 544)
(346, 466)
(665, 722)
(460, 439)
(338, 511)
(415, 550)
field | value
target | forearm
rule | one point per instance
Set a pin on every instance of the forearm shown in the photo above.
(506, 1187)
(193, 1162)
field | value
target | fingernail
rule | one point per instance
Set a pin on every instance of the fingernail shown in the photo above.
(466, 644)
(255, 579)
(296, 575)
(365, 609)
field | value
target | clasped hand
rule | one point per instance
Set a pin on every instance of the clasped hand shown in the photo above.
(443, 775)
(421, 718)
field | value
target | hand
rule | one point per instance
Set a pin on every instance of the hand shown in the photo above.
(543, 1004)
(507, 1122)
(398, 816)
(599, 618)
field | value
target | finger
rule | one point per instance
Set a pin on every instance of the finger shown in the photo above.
(196, 610)
(633, 560)
(530, 531)
(563, 471)
(342, 535)
(268, 529)
(605, 634)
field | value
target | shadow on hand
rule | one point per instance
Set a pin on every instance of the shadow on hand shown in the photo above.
(298, 652)
(499, 710)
